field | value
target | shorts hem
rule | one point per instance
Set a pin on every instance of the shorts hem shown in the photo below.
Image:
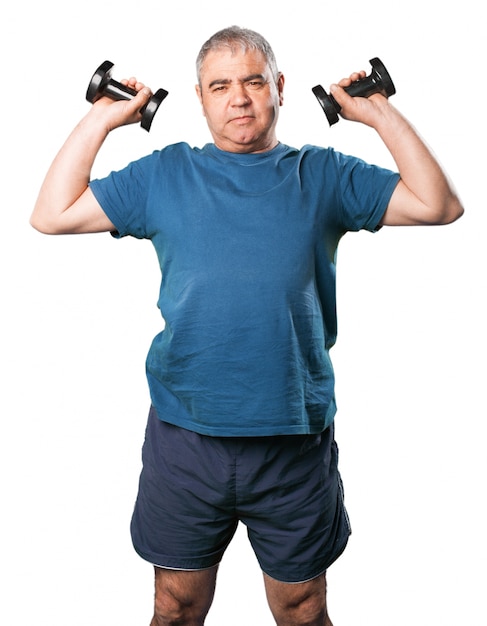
(171, 563)
(183, 569)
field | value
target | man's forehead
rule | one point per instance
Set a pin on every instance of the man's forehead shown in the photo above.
(228, 63)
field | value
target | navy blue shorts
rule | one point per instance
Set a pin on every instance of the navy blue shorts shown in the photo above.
(194, 490)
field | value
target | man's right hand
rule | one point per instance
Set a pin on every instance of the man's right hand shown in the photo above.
(114, 114)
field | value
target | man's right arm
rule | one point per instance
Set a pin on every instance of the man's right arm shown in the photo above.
(66, 204)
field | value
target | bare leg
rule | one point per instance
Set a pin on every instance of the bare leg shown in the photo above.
(300, 604)
(183, 598)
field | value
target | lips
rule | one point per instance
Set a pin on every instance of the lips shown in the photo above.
(242, 119)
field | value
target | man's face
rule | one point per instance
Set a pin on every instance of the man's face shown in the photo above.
(240, 100)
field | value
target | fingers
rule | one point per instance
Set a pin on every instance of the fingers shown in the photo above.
(141, 94)
(337, 90)
(339, 94)
(367, 110)
(134, 84)
(345, 82)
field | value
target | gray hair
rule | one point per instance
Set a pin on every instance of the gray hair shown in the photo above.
(232, 38)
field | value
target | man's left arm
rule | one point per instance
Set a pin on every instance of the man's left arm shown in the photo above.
(424, 194)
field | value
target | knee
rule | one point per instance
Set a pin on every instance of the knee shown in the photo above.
(298, 604)
(182, 598)
(172, 611)
(179, 609)
(309, 610)
(168, 611)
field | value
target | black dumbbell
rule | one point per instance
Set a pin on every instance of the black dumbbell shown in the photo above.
(378, 81)
(102, 84)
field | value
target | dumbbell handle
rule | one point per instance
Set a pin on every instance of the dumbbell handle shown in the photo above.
(116, 91)
(379, 81)
(364, 87)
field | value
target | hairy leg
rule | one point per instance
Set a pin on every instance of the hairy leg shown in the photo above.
(299, 604)
(183, 598)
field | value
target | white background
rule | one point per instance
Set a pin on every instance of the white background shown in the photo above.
(78, 314)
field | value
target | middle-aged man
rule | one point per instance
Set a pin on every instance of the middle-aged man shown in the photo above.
(241, 385)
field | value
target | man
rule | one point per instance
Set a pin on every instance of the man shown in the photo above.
(242, 388)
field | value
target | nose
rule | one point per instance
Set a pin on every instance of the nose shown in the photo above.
(239, 95)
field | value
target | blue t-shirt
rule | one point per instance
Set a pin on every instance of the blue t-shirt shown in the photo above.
(247, 247)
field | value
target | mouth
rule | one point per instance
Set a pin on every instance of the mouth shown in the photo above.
(242, 119)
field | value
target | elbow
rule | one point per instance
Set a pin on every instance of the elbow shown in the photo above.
(44, 219)
(452, 211)
(449, 211)
(41, 225)
(38, 225)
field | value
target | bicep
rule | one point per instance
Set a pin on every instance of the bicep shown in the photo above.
(405, 209)
(85, 216)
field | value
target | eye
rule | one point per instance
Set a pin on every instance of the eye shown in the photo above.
(255, 84)
(218, 89)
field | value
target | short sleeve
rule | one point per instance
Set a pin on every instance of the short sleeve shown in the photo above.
(123, 197)
(365, 192)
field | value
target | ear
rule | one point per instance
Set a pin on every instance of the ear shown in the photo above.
(280, 88)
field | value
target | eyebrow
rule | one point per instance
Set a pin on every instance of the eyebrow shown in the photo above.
(228, 81)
